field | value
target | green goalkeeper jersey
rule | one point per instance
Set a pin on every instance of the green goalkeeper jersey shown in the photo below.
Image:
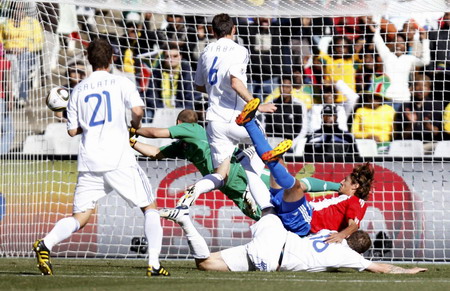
(192, 145)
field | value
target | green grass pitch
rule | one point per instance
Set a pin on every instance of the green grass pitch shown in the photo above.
(122, 274)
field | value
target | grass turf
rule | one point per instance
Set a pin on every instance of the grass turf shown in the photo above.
(95, 274)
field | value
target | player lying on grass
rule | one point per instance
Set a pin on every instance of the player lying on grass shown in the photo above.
(192, 145)
(273, 248)
(342, 213)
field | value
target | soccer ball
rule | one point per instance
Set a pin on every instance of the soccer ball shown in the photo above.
(57, 99)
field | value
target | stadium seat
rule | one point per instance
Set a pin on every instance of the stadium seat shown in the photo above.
(367, 147)
(406, 148)
(165, 117)
(37, 144)
(442, 149)
(62, 143)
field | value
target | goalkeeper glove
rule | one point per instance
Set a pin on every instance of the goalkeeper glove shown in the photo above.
(132, 142)
(132, 132)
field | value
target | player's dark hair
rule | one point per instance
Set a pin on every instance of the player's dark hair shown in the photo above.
(363, 175)
(100, 53)
(222, 25)
(359, 241)
(188, 116)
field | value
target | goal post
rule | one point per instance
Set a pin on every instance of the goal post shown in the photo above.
(302, 55)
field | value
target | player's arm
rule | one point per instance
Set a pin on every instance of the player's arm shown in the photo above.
(137, 112)
(337, 237)
(243, 92)
(391, 269)
(153, 132)
(147, 150)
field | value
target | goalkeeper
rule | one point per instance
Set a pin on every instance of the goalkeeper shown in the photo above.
(192, 145)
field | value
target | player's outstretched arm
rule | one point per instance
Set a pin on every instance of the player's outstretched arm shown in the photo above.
(153, 132)
(147, 150)
(391, 269)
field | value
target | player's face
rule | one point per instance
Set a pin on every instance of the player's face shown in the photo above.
(347, 187)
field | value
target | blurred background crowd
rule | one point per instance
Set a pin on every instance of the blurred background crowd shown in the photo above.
(335, 80)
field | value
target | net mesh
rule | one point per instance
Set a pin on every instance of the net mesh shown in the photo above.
(314, 59)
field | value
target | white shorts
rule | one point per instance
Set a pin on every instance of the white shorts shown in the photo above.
(130, 183)
(223, 138)
(263, 252)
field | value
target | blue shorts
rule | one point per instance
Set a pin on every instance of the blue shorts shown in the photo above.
(295, 216)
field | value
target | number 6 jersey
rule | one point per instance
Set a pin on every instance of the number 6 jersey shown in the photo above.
(218, 61)
(98, 105)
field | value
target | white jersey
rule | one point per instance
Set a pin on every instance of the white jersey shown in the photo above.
(98, 105)
(217, 63)
(312, 254)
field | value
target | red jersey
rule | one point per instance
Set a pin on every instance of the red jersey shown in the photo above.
(5, 66)
(334, 213)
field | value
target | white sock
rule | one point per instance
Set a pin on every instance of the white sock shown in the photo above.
(208, 183)
(197, 244)
(259, 190)
(153, 232)
(63, 229)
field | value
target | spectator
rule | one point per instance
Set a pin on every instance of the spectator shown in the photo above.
(411, 32)
(420, 119)
(76, 74)
(398, 66)
(286, 121)
(300, 93)
(340, 62)
(330, 142)
(298, 35)
(180, 34)
(325, 98)
(440, 56)
(23, 42)
(6, 122)
(374, 119)
(263, 39)
(171, 85)
(132, 45)
(446, 121)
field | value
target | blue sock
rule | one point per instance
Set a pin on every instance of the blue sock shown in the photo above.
(258, 137)
(278, 171)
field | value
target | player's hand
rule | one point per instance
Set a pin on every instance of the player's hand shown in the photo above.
(336, 237)
(132, 132)
(417, 270)
(267, 108)
(132, 142)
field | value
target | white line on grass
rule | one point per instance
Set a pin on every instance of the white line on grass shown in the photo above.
(284, 279)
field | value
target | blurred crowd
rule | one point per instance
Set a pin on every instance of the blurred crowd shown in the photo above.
(334, 79)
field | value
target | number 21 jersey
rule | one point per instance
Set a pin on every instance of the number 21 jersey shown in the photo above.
(98, 105)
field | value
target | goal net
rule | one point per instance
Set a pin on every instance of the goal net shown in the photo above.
(353, 81)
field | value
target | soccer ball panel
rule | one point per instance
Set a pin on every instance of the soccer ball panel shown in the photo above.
(57, 99)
